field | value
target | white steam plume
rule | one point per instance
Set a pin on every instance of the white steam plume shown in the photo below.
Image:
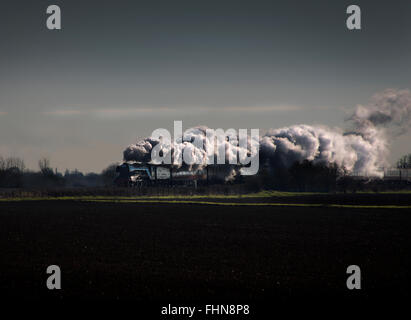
(389, 109)
(197, 155)
(362, 149)
(280, 148)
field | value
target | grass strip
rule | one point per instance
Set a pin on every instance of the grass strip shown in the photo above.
(256, 204)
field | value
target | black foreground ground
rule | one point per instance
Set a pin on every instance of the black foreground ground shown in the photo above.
(201, 253)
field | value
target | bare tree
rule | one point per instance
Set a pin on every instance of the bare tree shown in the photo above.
(11, 171)
(13, 163)
(404, 162)
(2, 164)
(44, 165)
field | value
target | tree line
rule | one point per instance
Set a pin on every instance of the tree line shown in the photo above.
(301, 176)
(14, 174)
(404, 162)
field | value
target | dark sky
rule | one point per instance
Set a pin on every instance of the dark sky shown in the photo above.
(120, 69)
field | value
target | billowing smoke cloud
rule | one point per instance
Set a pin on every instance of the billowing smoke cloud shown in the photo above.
(198, 148)
(362, 149)
(390, 108)
(280, 148)
(141, 151)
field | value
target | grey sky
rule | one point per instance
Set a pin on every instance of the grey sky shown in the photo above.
(120, 69)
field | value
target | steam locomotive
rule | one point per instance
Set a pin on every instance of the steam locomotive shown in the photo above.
(138, 174)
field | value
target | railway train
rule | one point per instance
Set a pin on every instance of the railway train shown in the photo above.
(389, 174)
(145, 174)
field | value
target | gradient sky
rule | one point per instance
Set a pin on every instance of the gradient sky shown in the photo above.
(120, 69)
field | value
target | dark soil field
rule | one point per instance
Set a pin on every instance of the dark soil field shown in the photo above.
(201, 253)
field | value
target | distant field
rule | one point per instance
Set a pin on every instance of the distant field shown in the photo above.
(84, 194)
(115, 249)
(387, 200)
